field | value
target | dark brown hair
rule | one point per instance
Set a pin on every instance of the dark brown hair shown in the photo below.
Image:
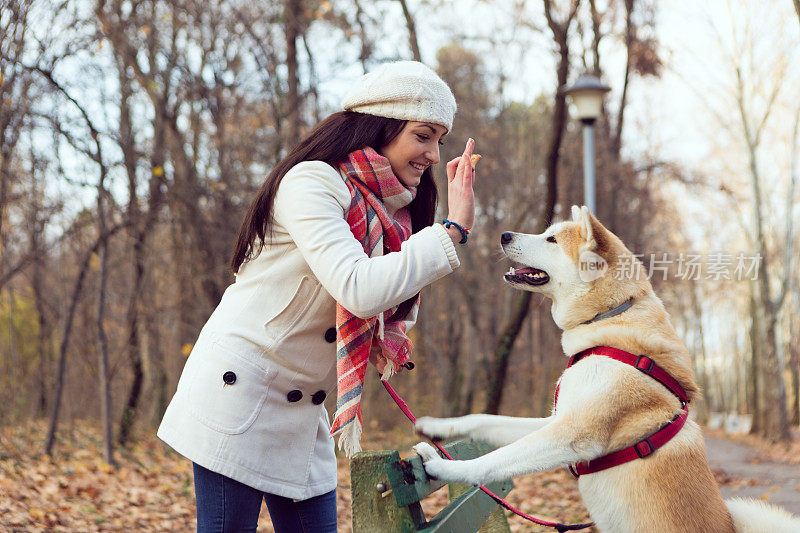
(331, 141)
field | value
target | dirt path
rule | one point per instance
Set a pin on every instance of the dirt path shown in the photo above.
(742, 473)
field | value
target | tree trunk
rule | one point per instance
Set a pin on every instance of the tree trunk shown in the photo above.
(138, 235)
(453, 378)
(37, 226)
(795, 372)
(502, 354)
(776, 427)
(44, 341)
(701, 371)
(293, 13)
(755, 389)
(616, 142)
(159, 370)
(102, 344)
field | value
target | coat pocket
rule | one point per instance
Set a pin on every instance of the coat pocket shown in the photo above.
(227, 391)
(280, 325)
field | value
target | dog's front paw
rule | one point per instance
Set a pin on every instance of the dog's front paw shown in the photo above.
(444, 470)
(430, 459)
(426, 452)
(436, 428)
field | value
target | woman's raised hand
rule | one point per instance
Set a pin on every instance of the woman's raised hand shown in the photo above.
(460, 196)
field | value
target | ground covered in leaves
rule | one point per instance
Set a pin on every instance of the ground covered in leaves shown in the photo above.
(151, 489)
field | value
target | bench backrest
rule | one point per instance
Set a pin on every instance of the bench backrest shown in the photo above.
(387, 490)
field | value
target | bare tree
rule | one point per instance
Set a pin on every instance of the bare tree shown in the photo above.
(560, 30)
(66, 333)
(775, 419)
(102, 248)
(755, 93)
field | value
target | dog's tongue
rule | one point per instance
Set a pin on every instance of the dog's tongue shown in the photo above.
(526, 270)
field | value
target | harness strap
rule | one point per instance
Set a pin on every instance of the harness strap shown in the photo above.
(640, 450)
(641, 363)
(644, 447)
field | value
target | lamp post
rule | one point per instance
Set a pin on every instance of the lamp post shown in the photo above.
(587, 97)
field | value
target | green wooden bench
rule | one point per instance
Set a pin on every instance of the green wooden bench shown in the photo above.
(387, 490)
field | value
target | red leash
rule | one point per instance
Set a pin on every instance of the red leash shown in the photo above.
(558, 526)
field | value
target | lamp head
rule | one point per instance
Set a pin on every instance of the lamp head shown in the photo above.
(587, 96)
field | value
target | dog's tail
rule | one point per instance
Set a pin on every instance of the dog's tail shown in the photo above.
(754, 516)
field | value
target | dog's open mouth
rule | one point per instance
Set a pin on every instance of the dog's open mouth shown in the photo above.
(529, 275)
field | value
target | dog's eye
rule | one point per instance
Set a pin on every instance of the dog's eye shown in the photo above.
(551, 238)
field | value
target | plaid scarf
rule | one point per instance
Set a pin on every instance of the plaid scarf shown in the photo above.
(373, 187)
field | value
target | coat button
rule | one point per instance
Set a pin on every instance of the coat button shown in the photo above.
(229, 378)
(330, 335)
(294, 395)
(318, 397)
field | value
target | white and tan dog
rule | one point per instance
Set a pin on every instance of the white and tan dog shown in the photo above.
(604, 405)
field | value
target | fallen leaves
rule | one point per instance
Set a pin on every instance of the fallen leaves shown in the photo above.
(726, 480)
(152, 487)
(75, 490)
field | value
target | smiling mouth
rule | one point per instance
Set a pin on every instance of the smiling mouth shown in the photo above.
(528, 275)
(418, 166)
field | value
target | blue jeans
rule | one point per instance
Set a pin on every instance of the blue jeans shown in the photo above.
(225, 505)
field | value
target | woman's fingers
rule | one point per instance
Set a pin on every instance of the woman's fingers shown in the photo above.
(460, 162)
(452, 166)
(464, 167)
(461, 198)
(470, 147)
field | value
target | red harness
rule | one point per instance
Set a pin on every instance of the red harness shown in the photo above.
(646, 446)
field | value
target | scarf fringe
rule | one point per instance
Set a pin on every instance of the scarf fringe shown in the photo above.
(350, 438)
(380, 326)
(388, 371)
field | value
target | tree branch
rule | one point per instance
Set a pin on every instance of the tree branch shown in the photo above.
(412, 31)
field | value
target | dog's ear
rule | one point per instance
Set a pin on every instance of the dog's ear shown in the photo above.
(576, 213)
(583, 217)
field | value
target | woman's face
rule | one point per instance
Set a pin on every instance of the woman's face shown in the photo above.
(414, 149)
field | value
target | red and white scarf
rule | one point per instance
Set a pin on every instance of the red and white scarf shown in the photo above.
(374, 190)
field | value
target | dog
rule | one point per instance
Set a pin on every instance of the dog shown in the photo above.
(604, 405)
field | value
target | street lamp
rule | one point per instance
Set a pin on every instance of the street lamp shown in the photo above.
(587, 97)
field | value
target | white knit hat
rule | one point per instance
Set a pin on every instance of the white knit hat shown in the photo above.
(407, 90)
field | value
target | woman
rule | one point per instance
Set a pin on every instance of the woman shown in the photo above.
(329, 264)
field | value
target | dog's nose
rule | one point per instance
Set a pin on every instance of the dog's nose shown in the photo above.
(506, 237)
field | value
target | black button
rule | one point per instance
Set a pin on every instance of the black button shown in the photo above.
(318, 397)
(330, 335)
(294, 395)
(229, 378)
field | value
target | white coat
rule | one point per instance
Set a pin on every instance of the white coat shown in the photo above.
(249, 401)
